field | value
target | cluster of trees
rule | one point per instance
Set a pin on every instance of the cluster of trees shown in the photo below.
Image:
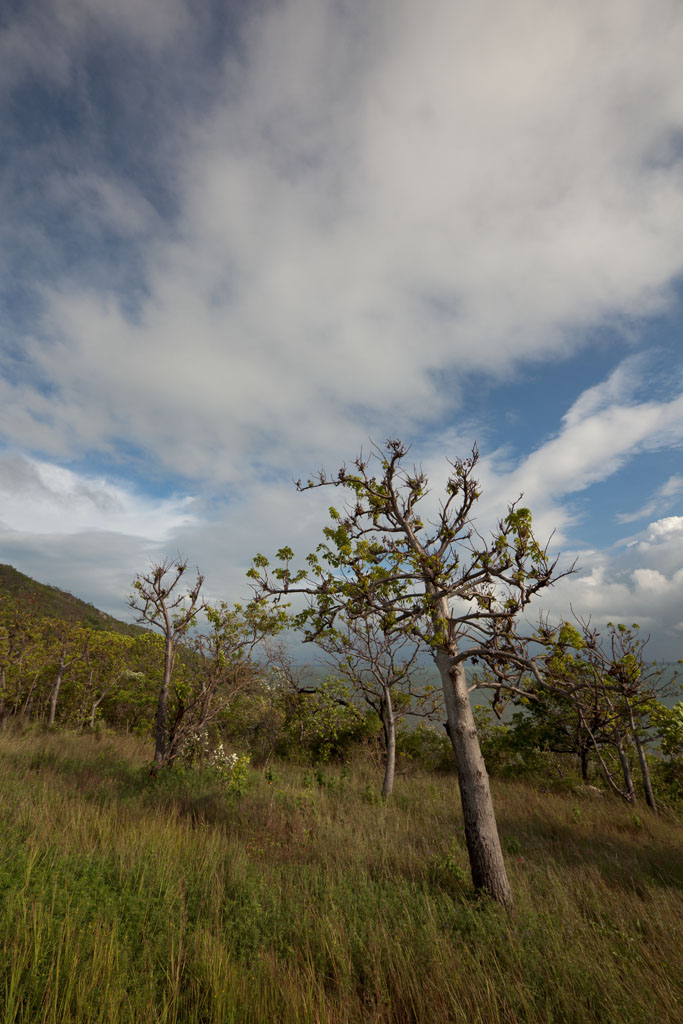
(199, 671)
(460, 596)
(388, 589)
(54, 669)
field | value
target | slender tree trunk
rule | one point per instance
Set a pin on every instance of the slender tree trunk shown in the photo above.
(481, 831)
(583, 756)
(162, 707)
(174, 735)
(4, 707)
(626, 770)
(27, 710)
(389, 725)
(642, 760)
(93, 710)
(54, 693)
(645, 773)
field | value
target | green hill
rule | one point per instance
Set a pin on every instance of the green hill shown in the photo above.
(50, 601)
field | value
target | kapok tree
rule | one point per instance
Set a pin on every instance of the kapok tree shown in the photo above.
(440, 582)
(172, 609)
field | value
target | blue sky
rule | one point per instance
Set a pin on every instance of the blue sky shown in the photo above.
(240, 239)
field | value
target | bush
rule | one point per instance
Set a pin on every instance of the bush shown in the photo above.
(427, 747)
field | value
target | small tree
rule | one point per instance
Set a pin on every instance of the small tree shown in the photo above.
(62, 638)
(220, 667)
(380, 667)
(604, 683)
(318, 719)
(440, 583)
(173, 611)
(105, 656)
(617, 689)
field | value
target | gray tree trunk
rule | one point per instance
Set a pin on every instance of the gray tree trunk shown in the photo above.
(481, 831)
(389, 723)
(642, 760)
(645, 773)
(626, 770)
(162, 707)
(54, 693)
(93, 710)
(4, 708)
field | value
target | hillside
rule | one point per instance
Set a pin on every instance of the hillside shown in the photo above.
(143, 900)
(51, 601)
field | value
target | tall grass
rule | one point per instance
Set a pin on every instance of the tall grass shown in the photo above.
(126, 899)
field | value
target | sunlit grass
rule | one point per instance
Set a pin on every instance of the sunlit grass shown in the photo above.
(126, 899)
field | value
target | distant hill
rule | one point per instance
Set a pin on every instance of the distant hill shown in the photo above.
(52, 602)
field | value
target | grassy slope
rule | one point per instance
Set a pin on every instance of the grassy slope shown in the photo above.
(124, 899)
(51, 601)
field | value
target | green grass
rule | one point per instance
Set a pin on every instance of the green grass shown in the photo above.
(123, 899)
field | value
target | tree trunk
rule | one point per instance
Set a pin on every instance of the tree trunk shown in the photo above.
(27, 710)
(642, 760)
(626, 770)
(644, 770)
(93, 710)
(645, 773)
(4, 707)
(583, 756)
(162, 707)
(54, 693)
(389, 725)
(481, 831)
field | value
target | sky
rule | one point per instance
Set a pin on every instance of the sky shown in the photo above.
(239, 240)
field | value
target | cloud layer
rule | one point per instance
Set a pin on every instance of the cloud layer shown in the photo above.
(240, 239)
(373, 201)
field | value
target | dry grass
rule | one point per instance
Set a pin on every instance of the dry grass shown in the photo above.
(132, 901)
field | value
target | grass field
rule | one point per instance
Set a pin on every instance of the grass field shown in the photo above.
(125, 899)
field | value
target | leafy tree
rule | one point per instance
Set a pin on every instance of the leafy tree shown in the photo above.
(132, 703)
(314, 720)
(62, 640)
(667, 723)
(17, 645)
(609, 686)
(219, 665)
(105, 660)
(440, 583)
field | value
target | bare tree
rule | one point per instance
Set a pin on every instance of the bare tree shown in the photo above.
(442, 584)
(173, 611)
(381, 668)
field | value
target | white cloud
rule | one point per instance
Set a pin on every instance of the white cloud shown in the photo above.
(604, 428)
(664, 528)
(371, 202)
(640, 581)
(377, 197)
(37, 497)
(662, 499)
